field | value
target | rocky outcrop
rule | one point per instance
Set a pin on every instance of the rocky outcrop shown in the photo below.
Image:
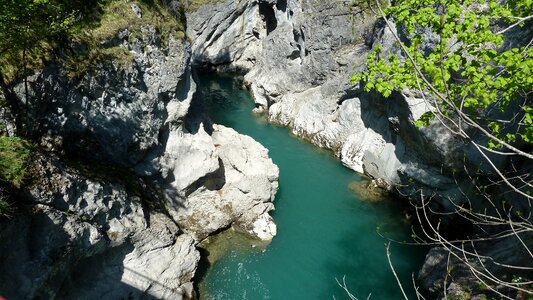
(142, 176)
(87, 238)
(242, 196)
(298, 57)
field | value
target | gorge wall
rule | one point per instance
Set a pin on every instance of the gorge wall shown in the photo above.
(128, 178)
(130, 175)
(298, 58)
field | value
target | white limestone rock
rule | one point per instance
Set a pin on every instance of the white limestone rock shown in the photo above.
(163, 272)
(249, 182)
(188, 157)
(231, 33)
(264, 227)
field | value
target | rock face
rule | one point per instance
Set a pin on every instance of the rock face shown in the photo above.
(92, 239)
(229, 33)
(298, 58)
(141, 178)
(116, 112)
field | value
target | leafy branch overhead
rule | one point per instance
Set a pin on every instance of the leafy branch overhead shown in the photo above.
(471, 62)
(468, 69)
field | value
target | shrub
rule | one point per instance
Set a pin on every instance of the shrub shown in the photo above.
(14, 152)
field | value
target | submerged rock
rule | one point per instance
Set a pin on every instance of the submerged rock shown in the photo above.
(369, 190)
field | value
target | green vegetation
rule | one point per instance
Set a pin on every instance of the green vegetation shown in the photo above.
(471, 62)
(14, 153)
(5, 207)
(115, 16)
(31, 31)
(467, 71)
(118, 15)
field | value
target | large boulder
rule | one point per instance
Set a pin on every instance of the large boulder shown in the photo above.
(239, 193)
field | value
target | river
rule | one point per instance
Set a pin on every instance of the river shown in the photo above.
(326, 231)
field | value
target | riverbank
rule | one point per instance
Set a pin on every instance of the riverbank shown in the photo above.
(325, 231)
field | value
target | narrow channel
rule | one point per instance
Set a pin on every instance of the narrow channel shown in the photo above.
(326, 231)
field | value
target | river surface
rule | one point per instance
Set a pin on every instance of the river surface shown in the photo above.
(326, 231)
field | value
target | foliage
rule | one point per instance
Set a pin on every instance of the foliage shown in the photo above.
(466, 70)
(5, 207)
(14, 153)
(96, 34)
(24, 23)
(118, 15)
(29, 30)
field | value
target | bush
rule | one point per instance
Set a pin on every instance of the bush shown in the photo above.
(5, 207)
(14, 152)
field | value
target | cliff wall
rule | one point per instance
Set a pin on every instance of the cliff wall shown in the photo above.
(128, 176)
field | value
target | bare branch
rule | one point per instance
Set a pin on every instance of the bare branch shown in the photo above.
(394, 272)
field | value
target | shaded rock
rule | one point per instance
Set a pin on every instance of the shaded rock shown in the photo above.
(88, 239)
(495, 257)
(188, 157)
(133, 233)
(116, 113)
(226, 32)
(7, 122)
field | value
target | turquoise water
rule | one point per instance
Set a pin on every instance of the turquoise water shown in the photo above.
(325, 232)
